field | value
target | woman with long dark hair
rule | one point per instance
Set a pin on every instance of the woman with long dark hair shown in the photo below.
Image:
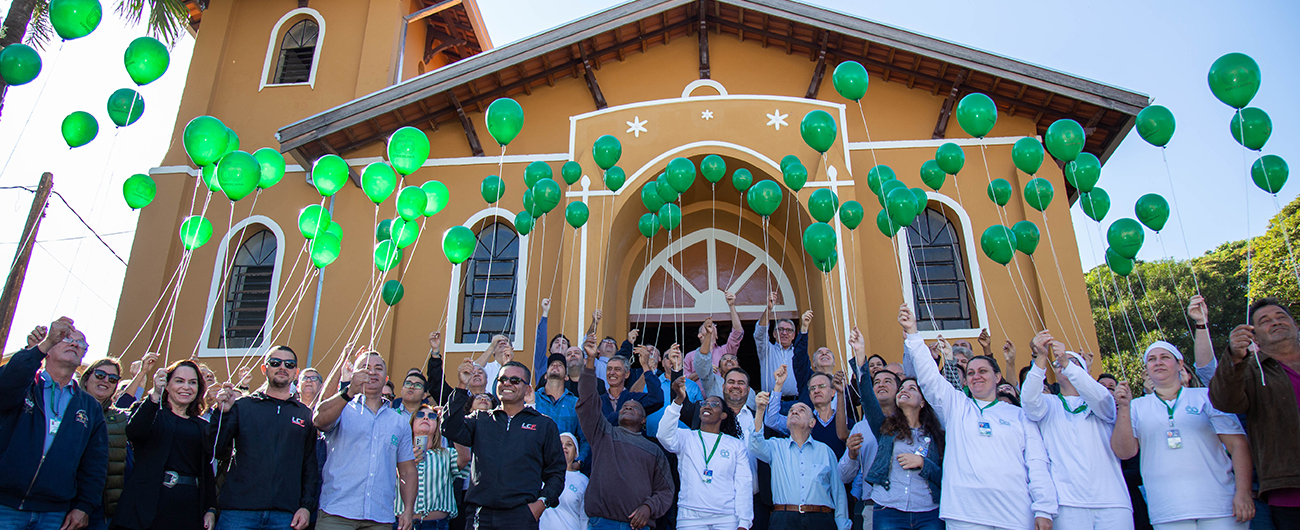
(171, 486)
(903, 480)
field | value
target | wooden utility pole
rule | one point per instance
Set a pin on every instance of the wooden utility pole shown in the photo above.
(18, 271)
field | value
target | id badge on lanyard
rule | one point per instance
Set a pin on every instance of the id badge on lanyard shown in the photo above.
(54, 426)
(985, 428)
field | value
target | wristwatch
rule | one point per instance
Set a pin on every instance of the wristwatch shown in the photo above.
(545, 502)
(1200, 326)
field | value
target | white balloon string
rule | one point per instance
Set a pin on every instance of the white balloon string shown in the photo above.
(1245, 180)
(1182, 229)
(1286, 236)
(1065, 289)
(740, 220)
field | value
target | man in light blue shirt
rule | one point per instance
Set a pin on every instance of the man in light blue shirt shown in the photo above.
(806, 487)
(367, 441)
(773, 355)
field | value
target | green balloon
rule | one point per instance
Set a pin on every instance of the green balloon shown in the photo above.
(885, 224)
(238, 173)
(649, 224)
(1269, 173)
(378, 181)
(681, 174)
(1039, 193)
(615, 177)
(458, 243)
(19, 64)
(976, 114)
(1065, 139)
(313, 220)
(1027, 237)
(139, 191)
(901, 204)
(73, 19)
(195, 232)
(932, 175)
(670, 216)
(125, 107)
(392, 292)
(1251, 127)
(411, 202)
(537, 170)
(999, 191)
(666, 190)
(1234, 79)
(650, 196)
(823, 204)
(787, 160)
(324, 250)
(950, 158)
(387, 255)
(877, 177)
(828, 264)
(922, 199)
(79, 128)
(742, 179)
(408, 149)
(999, 244)
(571, 171)
(576, 213)
(795, 176)
(384, 230)
(1152, 211)
(1083, 172)
(1118, 264)
(271, 164)
(524, 223)
(335, 230)
(1027, 154)
(146, 60)
(1125, 236)
(504, 120)
(1095, 204)
(436, 197)
(232, 141)
(886, 188)
(1155, 124)
(209, 174)
(818, 130)
(851, 214)
(492, 189)
(546, 193)
(713, 167)
(403, 232)
(329, 174)
(205, 140)
(850, 80)
(819, 240)
(606, 151)
(764, 197)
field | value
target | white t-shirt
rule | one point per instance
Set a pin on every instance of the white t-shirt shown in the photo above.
(570, 513)
(1195, 481)
(492, 370)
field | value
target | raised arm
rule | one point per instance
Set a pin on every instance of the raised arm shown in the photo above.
(1122, 440)
(653, 400)
(1203, 348)
(456, 427)
(593, 423)
(1099, 399)
(871, 411)
(541, 349)
(802, 363)
(938, 392)
(757, 442)
(668, 424)
(145, 367)
(767, 313)
(1009, 355)
(773, 418)
(841, 417)
(1228, 389)
(1032, 400)
(328, 412)
(595, 322)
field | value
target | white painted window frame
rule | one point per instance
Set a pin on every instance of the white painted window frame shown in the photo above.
(712, 300)
(216, 297)
(451, 341)
(974, 278)
(273, 48)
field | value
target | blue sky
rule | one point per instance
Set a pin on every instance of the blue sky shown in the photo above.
(1162, 49)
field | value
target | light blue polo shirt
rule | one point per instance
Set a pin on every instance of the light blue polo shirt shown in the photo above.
(56, 403)
(360, 476)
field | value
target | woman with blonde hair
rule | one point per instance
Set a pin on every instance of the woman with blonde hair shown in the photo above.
(437, 467)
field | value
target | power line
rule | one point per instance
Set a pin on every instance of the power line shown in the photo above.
(79, 218)
(73, 275)
(74, 238)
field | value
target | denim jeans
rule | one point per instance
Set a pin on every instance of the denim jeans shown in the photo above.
(11, 519)
(249, 520)
(598, 523)
(436, 524)
(883, 518)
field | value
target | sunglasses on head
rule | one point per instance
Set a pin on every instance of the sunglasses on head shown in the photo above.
(426, 414)
(288, 363)
(514, 380)
(105, 376)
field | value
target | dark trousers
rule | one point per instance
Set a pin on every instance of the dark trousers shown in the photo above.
(517, 518)
(801, 521)
(1285, 518)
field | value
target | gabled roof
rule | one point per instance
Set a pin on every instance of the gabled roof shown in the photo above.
(889, 53)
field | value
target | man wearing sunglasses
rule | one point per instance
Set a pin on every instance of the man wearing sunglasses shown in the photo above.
(274, 482)
(515, 449)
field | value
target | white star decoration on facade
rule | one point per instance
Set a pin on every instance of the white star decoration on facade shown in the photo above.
(707, 114)
(637, 126)
(777, 119)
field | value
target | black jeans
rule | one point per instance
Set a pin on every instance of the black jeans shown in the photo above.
(801, 521)
(520, 517)
(1285, 518)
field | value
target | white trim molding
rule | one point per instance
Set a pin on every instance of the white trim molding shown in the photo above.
(974, 280)
(452, 342)
(273, 46)
(711, 300)
(215, 296)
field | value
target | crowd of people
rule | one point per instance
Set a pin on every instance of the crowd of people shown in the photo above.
(606, 436)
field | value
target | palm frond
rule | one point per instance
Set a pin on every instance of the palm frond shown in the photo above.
(167, 19)
(39, 30)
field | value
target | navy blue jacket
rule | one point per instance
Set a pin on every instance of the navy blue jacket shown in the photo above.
(74, 475)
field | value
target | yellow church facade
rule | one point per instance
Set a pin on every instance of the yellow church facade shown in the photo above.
(669, 79)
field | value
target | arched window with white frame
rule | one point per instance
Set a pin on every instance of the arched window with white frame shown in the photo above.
(244, 290)
(490, 286)
(294, 49)
(939, 276)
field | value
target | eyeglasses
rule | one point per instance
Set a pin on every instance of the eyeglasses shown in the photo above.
(289, 364)
(711, 403)
(315, 378)
(412, 384)
(822, 386)
(77, 342)
(514, 380)
(426, 414)
(105, 376)
(785, 330)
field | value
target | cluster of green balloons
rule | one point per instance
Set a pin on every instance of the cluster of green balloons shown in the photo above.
(1000, 243)
(19, 64)
(1234, 79)
(900, 204)
(401, 232)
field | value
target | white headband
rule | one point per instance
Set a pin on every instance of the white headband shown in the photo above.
(571, 437)
(1082, 362)
(1164, 345)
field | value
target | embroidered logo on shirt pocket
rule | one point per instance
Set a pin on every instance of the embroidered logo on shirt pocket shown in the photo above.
(1192, 410)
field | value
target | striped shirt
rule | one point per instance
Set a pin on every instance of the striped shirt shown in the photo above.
(434, 477)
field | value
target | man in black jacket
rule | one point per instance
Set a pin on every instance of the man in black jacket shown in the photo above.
(53, 442)
(515, 448)
(273, 480)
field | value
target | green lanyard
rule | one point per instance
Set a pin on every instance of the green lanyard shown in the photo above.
(708, 454)
(1170, 407)
(985, 407)
(1067, 408)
